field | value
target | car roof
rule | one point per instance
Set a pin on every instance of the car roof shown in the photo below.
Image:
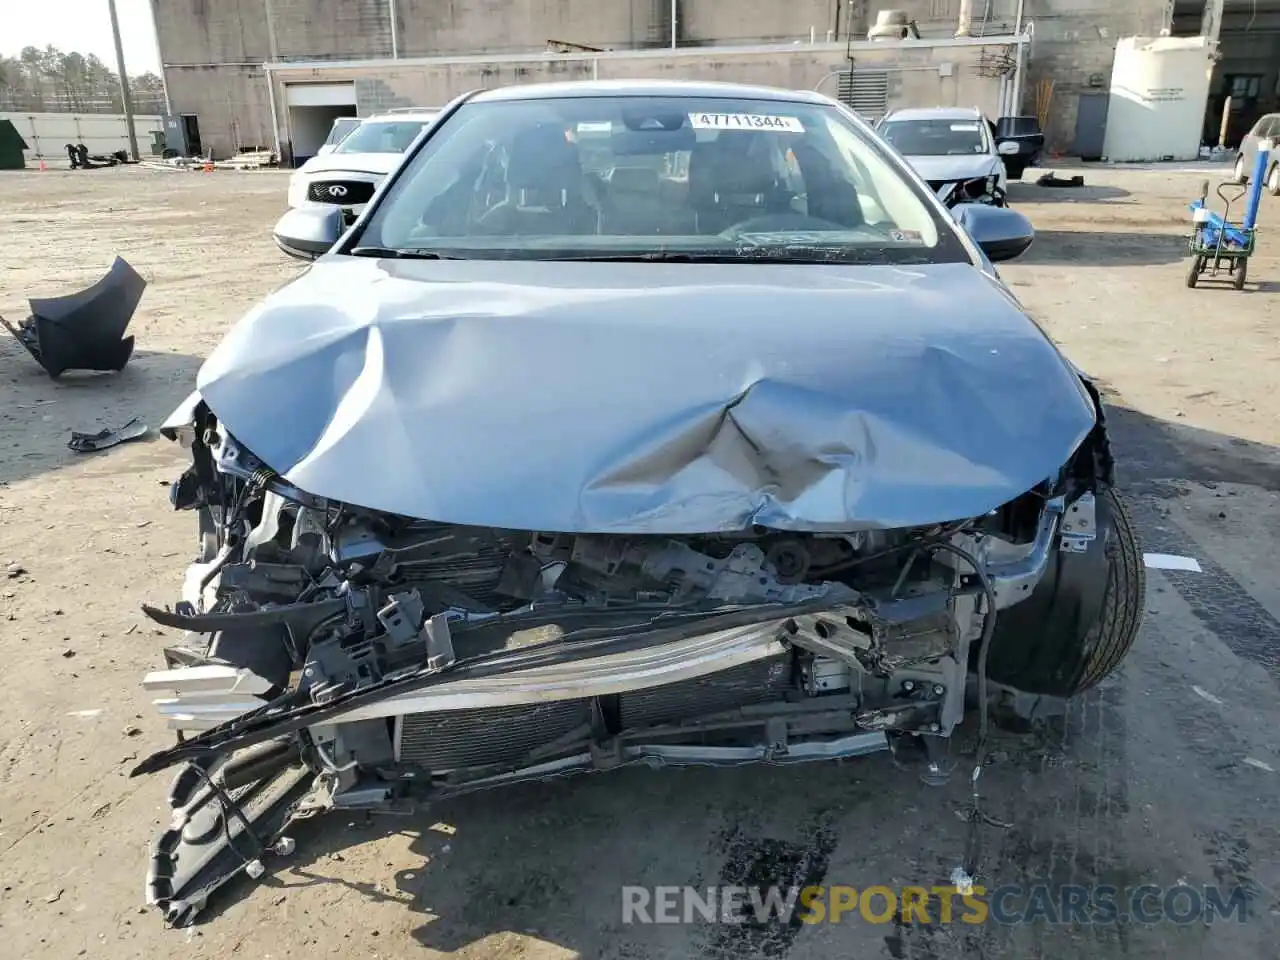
(647, 88)
(426, 113)
(936, 113)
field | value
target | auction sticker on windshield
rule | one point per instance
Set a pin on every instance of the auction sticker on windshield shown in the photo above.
(744, 121)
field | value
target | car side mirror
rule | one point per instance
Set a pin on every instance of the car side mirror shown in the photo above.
(1001, 233)
(1007, 148)
(308, 232)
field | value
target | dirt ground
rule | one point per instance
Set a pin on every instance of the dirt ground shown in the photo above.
(1169, 774)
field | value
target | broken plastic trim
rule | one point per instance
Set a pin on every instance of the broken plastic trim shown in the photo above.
(293, 712)
(85, 330)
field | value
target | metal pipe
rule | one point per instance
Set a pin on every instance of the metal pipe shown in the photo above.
(124, 81)
(675, 9)
(1211, 21)
(964, 24)
(395, 30)
(275, 119)
(691, 52)
(1019, 63)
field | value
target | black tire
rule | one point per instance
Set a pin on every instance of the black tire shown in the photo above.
(1193, 272)
(1240, 273)
(1083, 617)
(1273, 180)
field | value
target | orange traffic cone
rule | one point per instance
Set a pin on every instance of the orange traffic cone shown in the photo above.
(43, 168)
(208, 166)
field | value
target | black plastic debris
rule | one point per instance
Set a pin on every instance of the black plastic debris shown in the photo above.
(1051, 180)
(84, 331)
(93, 442)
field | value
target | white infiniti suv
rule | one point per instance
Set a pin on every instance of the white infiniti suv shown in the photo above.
(348, 175)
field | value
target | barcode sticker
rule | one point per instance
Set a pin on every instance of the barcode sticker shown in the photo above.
(745, 121)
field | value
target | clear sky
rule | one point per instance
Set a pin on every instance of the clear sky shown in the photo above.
(83, 26)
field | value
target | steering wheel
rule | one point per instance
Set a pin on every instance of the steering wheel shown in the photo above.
(781, 223)
(491, 217)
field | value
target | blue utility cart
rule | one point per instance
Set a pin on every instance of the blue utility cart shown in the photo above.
(1216, 244)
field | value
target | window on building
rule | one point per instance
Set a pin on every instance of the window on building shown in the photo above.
(1243, 86)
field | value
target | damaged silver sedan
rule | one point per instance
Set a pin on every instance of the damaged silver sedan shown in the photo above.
(630, 424)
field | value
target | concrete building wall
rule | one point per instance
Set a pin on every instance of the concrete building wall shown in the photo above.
(444, 27)
(915, 75)
(1074, 47)
(230, 103)
(208, 45)
(212, 31)
(768, 21)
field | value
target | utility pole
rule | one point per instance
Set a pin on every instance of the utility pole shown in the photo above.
(124, 81)
(1211, 22)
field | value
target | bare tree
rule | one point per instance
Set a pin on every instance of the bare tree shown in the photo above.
(50, 80)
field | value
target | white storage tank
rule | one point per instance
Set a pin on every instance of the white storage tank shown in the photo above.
(1159, 88)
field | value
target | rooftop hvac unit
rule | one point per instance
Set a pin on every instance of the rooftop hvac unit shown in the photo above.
(893, 25)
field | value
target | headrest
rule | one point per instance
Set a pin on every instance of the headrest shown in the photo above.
(542, 158)
(726, 167)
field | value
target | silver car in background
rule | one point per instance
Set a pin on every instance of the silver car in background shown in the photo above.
(1267, 128)
(954, 149)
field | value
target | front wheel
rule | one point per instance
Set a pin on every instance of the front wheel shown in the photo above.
(1193, 272)
(1241, 271)
(1082, 618)
(1238, 175)
(1273, 181)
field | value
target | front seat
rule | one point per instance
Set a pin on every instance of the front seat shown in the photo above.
(545, 186)
(634, 203)
(732, 180)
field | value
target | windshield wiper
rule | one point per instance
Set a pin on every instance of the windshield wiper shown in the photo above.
(653, 256)
(392, 253)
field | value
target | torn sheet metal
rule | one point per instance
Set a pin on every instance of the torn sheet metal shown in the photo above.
(85, 330)
(650, 398)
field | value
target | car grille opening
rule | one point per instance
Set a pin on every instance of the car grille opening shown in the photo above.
(345, 192)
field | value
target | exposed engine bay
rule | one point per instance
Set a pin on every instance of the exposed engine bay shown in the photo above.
(985, 190)
(341, 658)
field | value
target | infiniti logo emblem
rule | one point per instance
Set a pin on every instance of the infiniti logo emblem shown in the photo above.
(337, 190)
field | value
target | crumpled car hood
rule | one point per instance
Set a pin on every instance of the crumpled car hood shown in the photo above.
(968, 167)
(650, 398)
